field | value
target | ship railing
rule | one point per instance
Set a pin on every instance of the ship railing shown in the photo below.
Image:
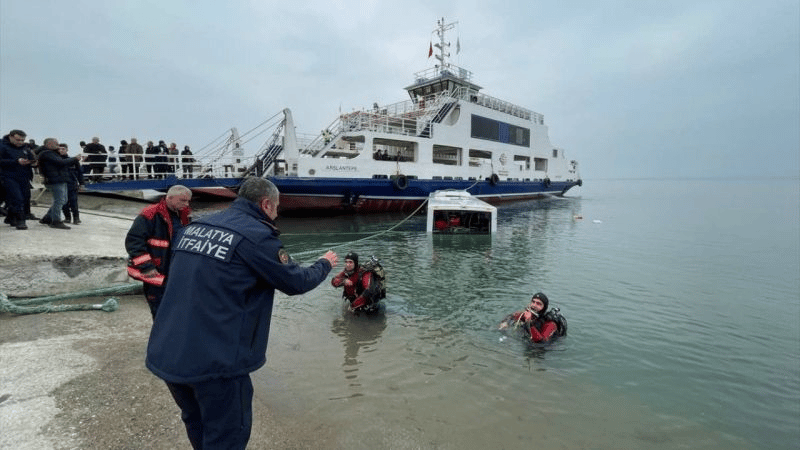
(181, 167)
(473, 96)
(403, 118)
(441, 70)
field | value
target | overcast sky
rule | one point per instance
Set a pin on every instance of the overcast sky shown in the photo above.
(628, 88)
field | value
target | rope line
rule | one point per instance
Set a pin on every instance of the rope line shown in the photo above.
(350, 243)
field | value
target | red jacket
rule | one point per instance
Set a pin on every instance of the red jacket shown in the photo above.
(360, 279)
(540, 330)
(149, 239)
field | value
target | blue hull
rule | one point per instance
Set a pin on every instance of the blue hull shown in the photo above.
(351, 195)
(384, 195)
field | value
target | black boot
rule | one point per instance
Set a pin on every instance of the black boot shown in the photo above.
(76, 220)
(67, 216)
(21, 224)
(11, 219)
(46, 220)
(59, 225)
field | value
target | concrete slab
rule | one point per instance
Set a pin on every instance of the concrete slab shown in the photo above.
(43, 261)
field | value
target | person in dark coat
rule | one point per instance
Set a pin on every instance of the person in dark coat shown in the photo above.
(212, 326)
(187, 162)
(16, 172)
(55, 171)
(96, 158)
(70, 209)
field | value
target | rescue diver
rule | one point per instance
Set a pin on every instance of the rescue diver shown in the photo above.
(533, 320)
(356, 282)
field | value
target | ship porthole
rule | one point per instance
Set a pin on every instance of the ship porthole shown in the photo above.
(311, 172)
(401, 182)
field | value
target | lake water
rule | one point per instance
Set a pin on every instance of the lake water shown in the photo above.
(683, 301)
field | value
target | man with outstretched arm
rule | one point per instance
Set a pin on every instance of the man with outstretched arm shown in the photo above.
(212, 326)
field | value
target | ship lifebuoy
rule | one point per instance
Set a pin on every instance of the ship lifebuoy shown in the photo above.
(494, 179)
(401, 182)
(547, 182)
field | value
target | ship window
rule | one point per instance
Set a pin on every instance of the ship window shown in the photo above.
(526, 160)
(555, 153)
(495, 130)
(395, 150)
(540, 164)
(477, 158)
(450, 156)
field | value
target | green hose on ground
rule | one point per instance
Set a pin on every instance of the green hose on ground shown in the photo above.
(44, 304)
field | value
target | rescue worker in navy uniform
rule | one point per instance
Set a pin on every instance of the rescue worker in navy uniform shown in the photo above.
(356, 282)
(149, 240)
(212, 327)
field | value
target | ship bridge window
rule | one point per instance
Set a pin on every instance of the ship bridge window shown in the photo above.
(450, 156)
(477, 158)
(495, 130)
(394, 150)
(540, 164)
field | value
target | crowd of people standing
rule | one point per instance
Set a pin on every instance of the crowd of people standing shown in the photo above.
(132, 161)
(64, 175)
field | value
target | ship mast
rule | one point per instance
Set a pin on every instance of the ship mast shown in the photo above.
(443, 46)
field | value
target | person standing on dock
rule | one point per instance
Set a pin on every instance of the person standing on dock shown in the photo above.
(149, 242)
(75, 182)
(16, 172)
(212, 328)
(55, 171)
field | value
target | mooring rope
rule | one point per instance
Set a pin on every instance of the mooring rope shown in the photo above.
(372, 236)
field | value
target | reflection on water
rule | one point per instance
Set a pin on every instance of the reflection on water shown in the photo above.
(358, 333)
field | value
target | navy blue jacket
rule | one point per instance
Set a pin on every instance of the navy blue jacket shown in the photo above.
(9, 161)
(214, 318)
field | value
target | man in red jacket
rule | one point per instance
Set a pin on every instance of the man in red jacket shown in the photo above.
(150, 238)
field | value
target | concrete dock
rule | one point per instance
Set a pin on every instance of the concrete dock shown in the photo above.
(44, 261)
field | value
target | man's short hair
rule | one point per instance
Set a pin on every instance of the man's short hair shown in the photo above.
(178, 189)
(256, 189)
(19, 133)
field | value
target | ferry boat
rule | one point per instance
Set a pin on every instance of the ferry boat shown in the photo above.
(447, 136)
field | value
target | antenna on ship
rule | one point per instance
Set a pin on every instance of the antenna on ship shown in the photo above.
(442, 46)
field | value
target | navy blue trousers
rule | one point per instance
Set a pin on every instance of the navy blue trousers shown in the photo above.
(18, 194)
(218, 414)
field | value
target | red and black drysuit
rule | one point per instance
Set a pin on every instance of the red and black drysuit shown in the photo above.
(358, 293)
(539, 329)
(148, 244)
